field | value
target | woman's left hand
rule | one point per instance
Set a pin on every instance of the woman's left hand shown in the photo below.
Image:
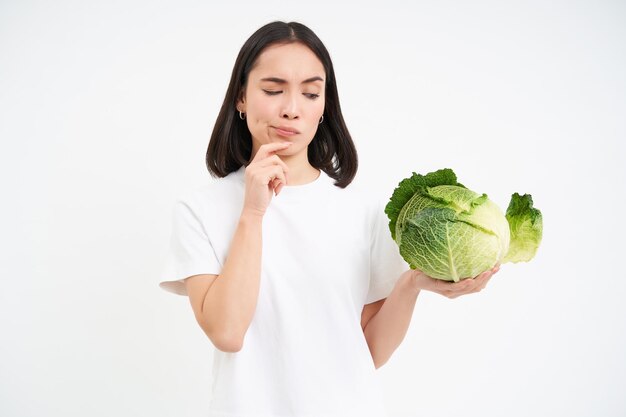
(421, 281)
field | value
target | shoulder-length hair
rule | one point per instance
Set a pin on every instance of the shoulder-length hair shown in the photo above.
(331, 150)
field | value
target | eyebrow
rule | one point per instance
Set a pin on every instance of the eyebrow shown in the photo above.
(281, 81)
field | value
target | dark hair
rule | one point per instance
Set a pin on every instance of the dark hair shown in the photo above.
(331, 150)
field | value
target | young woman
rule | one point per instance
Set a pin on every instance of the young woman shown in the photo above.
(290, 271)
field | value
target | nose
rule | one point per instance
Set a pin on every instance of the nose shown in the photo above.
(290, 106)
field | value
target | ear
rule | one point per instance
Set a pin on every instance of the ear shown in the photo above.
(241, 102)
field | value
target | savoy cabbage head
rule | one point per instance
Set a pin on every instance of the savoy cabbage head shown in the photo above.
(450, 232)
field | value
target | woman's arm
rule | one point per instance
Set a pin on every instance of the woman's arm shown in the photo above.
(386, 329)
(224, 307)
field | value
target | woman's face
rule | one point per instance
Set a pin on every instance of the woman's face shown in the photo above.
(284, 97)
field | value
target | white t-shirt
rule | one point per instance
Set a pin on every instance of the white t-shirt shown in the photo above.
(327, 252)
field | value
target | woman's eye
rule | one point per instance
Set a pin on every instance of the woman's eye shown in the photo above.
(312, 96)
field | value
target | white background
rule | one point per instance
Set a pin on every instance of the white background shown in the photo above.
(105, 113)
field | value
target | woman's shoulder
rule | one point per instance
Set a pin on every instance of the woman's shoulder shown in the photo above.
(363, 201)
(214, 190)
(363, 194)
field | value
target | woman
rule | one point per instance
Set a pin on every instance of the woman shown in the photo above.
(290, 271)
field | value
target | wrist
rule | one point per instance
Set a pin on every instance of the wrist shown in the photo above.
(249, 215)
(412, 280)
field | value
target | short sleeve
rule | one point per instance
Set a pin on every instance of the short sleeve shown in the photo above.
(386, 263)
(190, 252)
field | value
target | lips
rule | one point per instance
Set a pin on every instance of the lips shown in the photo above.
(286, 130)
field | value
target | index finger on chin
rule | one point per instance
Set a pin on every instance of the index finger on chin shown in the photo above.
(268, 149)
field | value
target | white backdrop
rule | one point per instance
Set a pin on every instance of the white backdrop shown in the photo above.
(105, 113)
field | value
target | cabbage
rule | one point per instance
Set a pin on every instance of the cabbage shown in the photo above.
(450, 232)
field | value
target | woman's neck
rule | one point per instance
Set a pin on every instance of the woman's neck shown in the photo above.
(300, 171)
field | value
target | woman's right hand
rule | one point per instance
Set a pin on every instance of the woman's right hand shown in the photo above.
(266, 173)
(421, 281)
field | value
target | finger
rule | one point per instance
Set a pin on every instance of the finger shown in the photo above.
(273, 172)
(476, 284)
(275, 160)
(266, 176)
(443, 286)
(274, 175)
(454, 289)
(269, 149)
(483, 282)
(486, 273)
(277, 185)
(273, 184)
(482, 277)
(469, 290)
(470, 285)
(463, 284)
(473, 284)
(278, 188)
